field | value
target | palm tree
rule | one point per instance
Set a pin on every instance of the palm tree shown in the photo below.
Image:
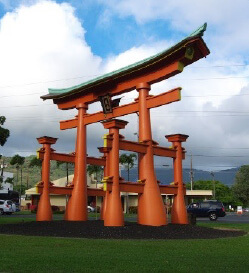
(35, 162)
(18, 161)
(59, 163)
(127, 160)
(95, 170)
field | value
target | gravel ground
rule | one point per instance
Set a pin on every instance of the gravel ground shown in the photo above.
(97, 230)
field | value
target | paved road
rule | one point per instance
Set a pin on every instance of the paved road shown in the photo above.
(229, 218)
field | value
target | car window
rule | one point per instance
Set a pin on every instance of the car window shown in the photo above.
(194, 205)
(219, 205)
(9, 202)
(1, 202)
(205, 205)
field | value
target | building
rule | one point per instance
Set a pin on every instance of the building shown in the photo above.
(128, 200)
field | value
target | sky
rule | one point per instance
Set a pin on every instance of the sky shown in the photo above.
(57, 44)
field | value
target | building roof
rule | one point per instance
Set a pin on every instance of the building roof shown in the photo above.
(133, 68)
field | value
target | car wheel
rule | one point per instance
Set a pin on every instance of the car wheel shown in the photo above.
(213, 216)
(89, 210)
(1, 212)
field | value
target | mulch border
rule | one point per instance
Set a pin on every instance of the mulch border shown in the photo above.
(95, 229)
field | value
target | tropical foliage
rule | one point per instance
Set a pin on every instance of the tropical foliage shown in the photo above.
(128, 161)
(4, 133)
(241, 186)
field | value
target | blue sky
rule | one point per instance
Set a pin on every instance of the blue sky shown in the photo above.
(54, 44)
(108, 33)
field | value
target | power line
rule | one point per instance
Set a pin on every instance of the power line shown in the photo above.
(213, 95)
(214, 78)
(209, 111)
(220, 156)
(220, 148)
(96, 75)
(23, 106)
(232, 65)
(48, 81)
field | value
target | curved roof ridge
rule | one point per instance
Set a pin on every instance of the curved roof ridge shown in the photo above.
(57, 92)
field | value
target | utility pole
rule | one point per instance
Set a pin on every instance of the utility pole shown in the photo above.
(21, 189)
(212, 174)
(191, 174)
(1, 175)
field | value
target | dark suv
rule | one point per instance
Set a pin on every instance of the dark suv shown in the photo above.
(211, 208)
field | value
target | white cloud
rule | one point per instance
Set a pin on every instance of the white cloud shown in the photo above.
(227, 19)
(208, 90)
(45, 41)
(39, 43)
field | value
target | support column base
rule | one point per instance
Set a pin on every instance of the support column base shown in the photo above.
(151, 211)
(44, 210)
(179, 212)
(114, 216)
(77, 206)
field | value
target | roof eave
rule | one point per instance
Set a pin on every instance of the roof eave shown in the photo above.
(111, 76)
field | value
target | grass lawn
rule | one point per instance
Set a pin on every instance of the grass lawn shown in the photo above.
(47, 254)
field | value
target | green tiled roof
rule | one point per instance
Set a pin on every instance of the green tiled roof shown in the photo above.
(54, 93)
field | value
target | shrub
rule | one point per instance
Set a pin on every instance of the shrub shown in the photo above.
(133, 210)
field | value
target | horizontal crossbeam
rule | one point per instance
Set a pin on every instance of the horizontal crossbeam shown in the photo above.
(131, 187)
(68, 190)
(152, 102)
(120, 86)
(71, 158)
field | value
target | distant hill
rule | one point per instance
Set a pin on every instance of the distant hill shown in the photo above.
(30, 176)
(165, 175)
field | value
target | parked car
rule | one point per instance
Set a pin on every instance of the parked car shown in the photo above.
(211, 208)
(7, 207)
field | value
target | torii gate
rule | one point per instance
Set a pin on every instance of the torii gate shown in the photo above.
(139, 76)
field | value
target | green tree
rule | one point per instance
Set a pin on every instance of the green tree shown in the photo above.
(18, 161)
(128, 161)
(9, 180)
(20, 188)
(95, 170)
(4, 133)
(35, 162)
(222, 192)
(241, 186)
(67, 165)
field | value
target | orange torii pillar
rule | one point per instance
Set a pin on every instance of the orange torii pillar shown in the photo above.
(44, 210)
(179, 213)
(151, 210)
(105, 151)
(113, 215)
(77, 204)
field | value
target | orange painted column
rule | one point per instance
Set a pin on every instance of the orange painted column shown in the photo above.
(151, 210)
(114, 211)
(77, 204)
(179, 212)
(44, 210)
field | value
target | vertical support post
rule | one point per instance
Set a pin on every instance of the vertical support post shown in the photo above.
(114, 210)
(44, 210)
(77, 204)
(106, 151)
(179, 211)
(151, 210)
